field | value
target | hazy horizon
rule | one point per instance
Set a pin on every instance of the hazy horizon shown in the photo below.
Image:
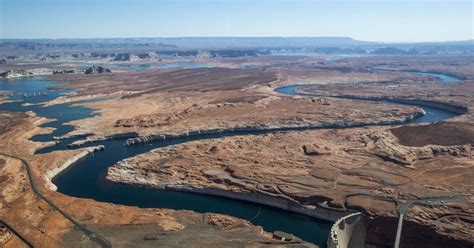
(218, 37)
(366, 20)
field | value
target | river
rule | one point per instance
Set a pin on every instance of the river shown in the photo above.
(86, 178)
(445, 78)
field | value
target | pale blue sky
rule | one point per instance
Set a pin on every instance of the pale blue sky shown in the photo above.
(374, 20)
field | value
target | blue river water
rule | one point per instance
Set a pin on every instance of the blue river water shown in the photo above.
(86, 178)
(445, 78)
(432, 114)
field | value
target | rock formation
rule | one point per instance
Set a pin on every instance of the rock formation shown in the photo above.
(15, 73)
(144, 56)
(101, 55)
(387, 148)
(123, 57)
(64, 71)
(97, 69)
(314, 150)
(330, 170)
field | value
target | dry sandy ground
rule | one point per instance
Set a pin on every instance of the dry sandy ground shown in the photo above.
(441, 133)
(45, 227)
(177, 113)
(366, 169)
(363, 169)
(372, 170)
(182, 101)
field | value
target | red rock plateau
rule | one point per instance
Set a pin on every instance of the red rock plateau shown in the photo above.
(374, 169)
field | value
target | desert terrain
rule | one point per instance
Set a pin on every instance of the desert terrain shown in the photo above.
(345, 158)
(188, 98)
(44, 226)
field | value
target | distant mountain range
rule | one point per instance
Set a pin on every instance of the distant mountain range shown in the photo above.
(238, 42)
(258, 42)
(261, 45)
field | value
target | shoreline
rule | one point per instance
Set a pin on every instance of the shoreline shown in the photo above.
(318, 212)
(133, 138)
(321, 213)
(269, 129)
(453, 108)
(51, 174)
(450, 107)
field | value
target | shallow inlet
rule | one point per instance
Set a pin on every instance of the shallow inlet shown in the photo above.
(86, 178)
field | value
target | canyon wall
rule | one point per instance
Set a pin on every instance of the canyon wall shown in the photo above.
(255, 197)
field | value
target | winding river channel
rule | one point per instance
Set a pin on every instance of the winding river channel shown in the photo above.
(86, 177)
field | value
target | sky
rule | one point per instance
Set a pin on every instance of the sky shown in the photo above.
(370, 20)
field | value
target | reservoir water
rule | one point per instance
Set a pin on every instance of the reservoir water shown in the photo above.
(432, 114)
(86, 178)
(445, 78)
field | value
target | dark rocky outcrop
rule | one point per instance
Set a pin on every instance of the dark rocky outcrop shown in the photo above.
(283, 236)
(53, 56)
(101, 55)
(315, 150)
(64, 71)
(144, 56)
(3, 61)
(97, 69)
(50, 57)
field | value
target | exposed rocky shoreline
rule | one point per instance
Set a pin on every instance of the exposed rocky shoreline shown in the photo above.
(372, 169)
(368, 188)
(320, 212)
(263, 128)
(452, 107)
(50, 174)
